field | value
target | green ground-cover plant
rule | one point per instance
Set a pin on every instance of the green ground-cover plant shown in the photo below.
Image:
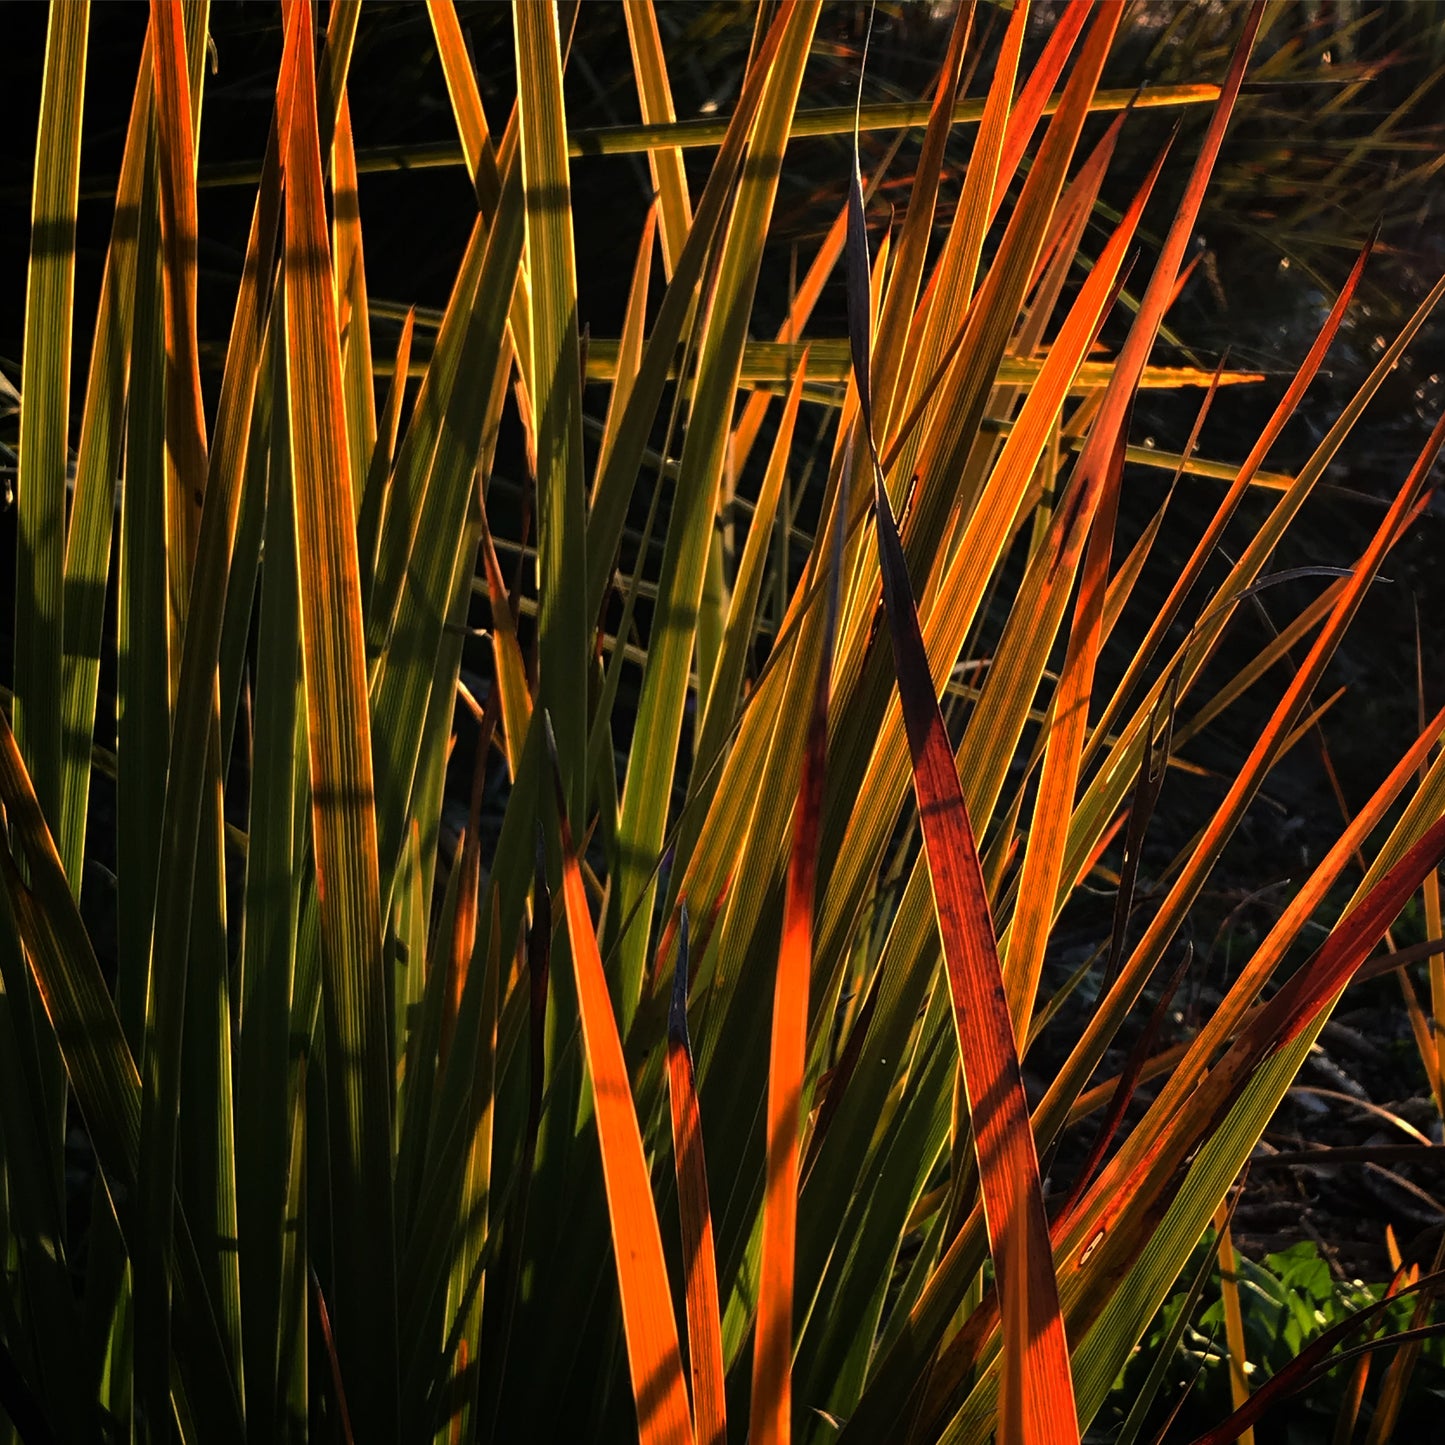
(1288, 1300)
(683, 1094)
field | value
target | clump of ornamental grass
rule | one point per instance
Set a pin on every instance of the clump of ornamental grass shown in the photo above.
(683, 1094)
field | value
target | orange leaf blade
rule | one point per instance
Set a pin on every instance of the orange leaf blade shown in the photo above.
(787, 1060)
(1037, 1404)
(653, 1353)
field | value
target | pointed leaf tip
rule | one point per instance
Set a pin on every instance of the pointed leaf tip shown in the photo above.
(554, 762)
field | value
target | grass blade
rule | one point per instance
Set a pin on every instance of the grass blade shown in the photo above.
(477, 150)
(613, 487)
(708, 131)
(648, 789)
(374, 494)
(1038, 1397)
(191, 819)
(1395, 1385)
(352, 315)
(902, 294)
(98, 463)
(467, 1288)
(1233, 1317)
(1176, 1093)
(704, 1323)
(185, 412)
(343, 816)
(44, 714)
(143, 705)
(510, 675)
(44, 410)
(653, 1353)
(654, 94)
(1038, 1402)
(67, 976)
(726, 693)
(564, 627)
(105, 1081)
(291, 1332)
(41, 1318)
(772, 1399)
(1247, 1083)
(629, 346)
(42, 468)
(264, 1084)
(449, 438)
